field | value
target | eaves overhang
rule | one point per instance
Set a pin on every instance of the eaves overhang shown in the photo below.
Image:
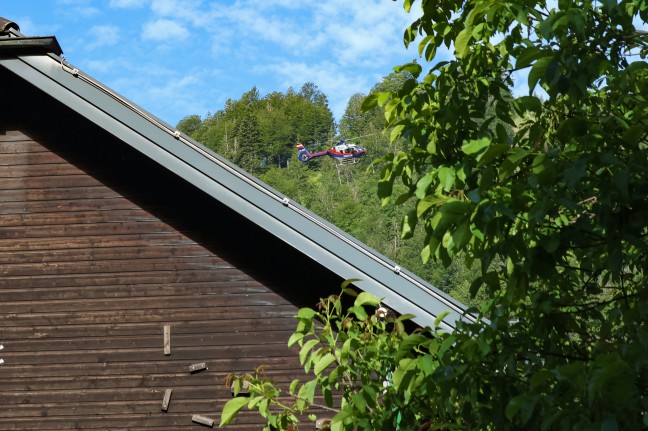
(329, 246)
(12, 46)
(13, 43)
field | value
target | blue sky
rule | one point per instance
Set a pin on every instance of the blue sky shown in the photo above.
(181, 57)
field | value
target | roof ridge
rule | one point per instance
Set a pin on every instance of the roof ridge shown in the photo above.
(6, 25)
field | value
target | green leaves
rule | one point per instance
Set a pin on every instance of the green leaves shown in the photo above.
(528, 55)
(231, 409)
(529, 104)
(306, 350)
(540, 194)
(539, 72)
(408, 225)
(413, 69)
(475, 147)
(366, 298)
(322, 363)
(429, 201)
(461, 43)
(522, 405)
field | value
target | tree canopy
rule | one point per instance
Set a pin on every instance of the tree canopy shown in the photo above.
(554, 212)
(553, 208)
(257, 131)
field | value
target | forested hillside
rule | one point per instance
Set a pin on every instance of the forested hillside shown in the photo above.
(259, 133)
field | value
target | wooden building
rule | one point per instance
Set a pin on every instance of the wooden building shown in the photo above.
(129, 253)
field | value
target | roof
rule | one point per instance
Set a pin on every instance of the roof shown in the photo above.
(12, 42)
(248, 196)
(6, 25)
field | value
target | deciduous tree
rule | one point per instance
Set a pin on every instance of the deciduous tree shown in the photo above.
(553, 210)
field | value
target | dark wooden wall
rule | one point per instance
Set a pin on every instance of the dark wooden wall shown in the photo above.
(99, 250)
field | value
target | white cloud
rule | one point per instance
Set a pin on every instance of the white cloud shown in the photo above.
(103, 35)
(164, 29)
(172, 89)
(87, 12)
(270, 28)
(354, 33)
(340, 46)
(98, 66)
(126, 4)
(188, 12)
(359, 32)
(79, 8)
(166, 93)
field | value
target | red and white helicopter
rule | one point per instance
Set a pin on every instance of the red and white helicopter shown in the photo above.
(342, 151)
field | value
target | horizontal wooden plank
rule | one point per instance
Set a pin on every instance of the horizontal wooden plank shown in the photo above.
(23, 162)
(50, 332)
(201, 386)
(161, 304)
(24, 146)
(43, 170)
(209, 287)
(14, 136)
(111, 408)
(66, 205)
(261, 336)
(179, 249)
(152, 380)
(22, 167)
(220, 368)
(165, 421)
(194, 354)
(129, 215)
(134, 316)
(136, 272)
(126, 278)
(118, 265)
(156, 239)
(54, 181)
(33, 152)
(81, 229)
(137, 394)
(60, 194)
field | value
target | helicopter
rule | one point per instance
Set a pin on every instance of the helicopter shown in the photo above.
(342, 152)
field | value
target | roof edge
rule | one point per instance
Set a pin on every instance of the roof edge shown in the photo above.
(29, 46)
(14, 43)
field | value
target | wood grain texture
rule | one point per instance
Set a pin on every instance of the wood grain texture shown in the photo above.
(89, 279)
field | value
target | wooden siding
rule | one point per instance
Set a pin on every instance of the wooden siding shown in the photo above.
(92, 271)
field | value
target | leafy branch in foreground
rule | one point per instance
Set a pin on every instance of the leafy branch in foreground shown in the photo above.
(364, 366)
(549, 197)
